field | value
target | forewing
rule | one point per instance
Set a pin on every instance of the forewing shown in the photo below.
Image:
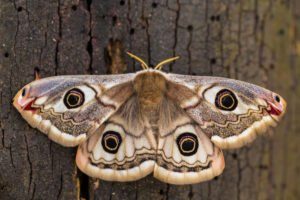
(230, 112)
(69, 108)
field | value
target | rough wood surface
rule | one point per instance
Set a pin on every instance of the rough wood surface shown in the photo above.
(253, 40)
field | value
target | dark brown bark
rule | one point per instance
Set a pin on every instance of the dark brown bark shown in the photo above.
(250, 40)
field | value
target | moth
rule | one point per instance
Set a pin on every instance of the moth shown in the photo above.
(130, 125)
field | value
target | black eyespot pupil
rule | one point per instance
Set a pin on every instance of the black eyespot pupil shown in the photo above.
(111, 141)
(226, 100)
(187, 144)
(74, 98)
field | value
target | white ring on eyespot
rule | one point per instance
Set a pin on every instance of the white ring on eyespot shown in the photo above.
(98, 150)
(114, 127)
(59, 107)
(184, 129)
(242, 108)
(200, 155)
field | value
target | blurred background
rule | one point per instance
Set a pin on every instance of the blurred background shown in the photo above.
(257, 41)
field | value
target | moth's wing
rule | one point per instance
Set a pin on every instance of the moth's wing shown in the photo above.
(208, 101)
(122, 149)
(48, 104)
(185, 155)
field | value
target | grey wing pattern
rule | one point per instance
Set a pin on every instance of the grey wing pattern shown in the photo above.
(70, 108)
(131, 125)
(230, 112)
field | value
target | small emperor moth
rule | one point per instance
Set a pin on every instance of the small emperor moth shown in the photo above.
(130, 125)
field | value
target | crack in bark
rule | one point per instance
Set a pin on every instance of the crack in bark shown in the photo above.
(167, 191)
(51, 156)
(239, 45)
(29, 162)
(43, 47)
(84, 191)
(145, 19)
(285, 159)
(45, 42)
(209, 190)
(60, 186)
(17, 31)
(130, 30)
(261, 48)
(239, 178)
(222, 49)
(11, 158)
(58, 39)
(89, 46)
(136, 192)
(191, 193)
(177, 11)
(189, 51)
(111, 191)
(207, 34)
(271, 184)
(256, 19)
(14, 50)
(2, 137)
(28, 18)
(33, 192)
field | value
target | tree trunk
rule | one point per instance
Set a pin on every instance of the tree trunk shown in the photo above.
(250, 40)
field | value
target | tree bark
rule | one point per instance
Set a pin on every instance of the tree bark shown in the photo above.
(250, 40)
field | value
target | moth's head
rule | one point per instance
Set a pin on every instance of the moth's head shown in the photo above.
(57, 107)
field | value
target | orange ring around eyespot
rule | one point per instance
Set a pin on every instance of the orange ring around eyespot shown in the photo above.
(224, 95)
(75, 92)
(115, 138)
(186, 139)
